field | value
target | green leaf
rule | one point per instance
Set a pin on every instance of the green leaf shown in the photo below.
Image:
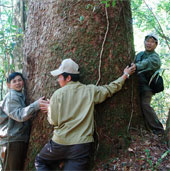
(113, 3)
(89, 6)
(20, 30)
(103, 2)
(165, 154)
(2, 33)
(14, 26)
(81, 18)
(107, 5)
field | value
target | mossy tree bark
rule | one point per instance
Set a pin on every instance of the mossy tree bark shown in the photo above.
(72, 28)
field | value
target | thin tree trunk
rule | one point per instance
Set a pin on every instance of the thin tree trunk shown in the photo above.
(2, 86)
(22, 14)
(168, 128)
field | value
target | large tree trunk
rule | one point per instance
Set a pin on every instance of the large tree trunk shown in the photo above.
(58, 29)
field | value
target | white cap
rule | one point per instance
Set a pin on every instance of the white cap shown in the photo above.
(68, 66)
(152, 35)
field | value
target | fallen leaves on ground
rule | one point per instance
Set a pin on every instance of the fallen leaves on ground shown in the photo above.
(147, 152)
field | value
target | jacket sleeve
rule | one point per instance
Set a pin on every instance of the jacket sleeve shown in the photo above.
(3, 116)
(152, 63)
(14, 109)
(54, 102)
(103, 92)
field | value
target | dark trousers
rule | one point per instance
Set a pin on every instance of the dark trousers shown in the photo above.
(15, 155)
(75, 157)
(149, 113)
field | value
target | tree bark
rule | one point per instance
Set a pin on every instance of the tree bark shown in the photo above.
(19, 17)
(72, 28)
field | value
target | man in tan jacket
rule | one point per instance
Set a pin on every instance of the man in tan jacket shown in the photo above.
(71, 112)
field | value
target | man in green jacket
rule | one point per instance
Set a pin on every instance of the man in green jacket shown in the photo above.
(71, 112)
(147, 63)
(14, 123)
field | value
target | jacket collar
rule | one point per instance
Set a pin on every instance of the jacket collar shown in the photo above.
(72, 82)
(148, 53)
(19, 93)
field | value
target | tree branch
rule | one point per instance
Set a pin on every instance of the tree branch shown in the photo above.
(1, 5)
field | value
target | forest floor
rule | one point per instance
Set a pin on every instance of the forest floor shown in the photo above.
(147, 152)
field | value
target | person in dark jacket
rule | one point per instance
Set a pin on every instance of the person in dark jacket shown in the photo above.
(14, 123)
(147, 63)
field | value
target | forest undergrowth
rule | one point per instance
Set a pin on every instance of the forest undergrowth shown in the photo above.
(147, 152)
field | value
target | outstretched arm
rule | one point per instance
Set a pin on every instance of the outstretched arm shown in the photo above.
(15, 110)
(103, 92)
